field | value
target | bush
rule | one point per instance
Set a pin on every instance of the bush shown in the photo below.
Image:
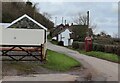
(54, 40)
(118, 51)
(111, 49)
(78, 45)
(61, 43)
(75, 45)
(108, 48)
(81, 45)
(98, 47)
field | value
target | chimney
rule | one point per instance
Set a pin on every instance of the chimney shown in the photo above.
(65, 22)
(71, 24)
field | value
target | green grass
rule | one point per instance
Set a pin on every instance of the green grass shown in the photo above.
(54, 42)
(102, 55)
(49, 37)
(60, 62)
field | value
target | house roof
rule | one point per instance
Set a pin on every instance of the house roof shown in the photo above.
(59, 29)
(73, 28)
(63, 30)
(4, 25)
(78, 31)
(29, 19)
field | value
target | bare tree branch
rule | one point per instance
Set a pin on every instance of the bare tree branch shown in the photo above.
(81, 19)
(47, 15)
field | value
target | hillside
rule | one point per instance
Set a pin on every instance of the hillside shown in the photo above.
(13, 10)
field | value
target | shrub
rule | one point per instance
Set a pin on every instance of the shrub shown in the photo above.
(98, 47)
(118, 51)
(61, 43)
(75, 45)
(54, 40)
(81, 45)
(78, 45)
(111, 48)
(94, 46)
(107, 48)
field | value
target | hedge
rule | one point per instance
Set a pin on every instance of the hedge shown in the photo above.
(115, 49)
(78, 45)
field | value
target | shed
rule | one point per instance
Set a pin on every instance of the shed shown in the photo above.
(24, 32)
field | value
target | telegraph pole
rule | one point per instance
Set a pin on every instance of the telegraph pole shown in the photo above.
(88, 18)
(55, 21)
(62, 20)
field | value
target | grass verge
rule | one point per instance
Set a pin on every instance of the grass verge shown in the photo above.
(60, 62)
(55, 61)
(54, 42)
(102, 55)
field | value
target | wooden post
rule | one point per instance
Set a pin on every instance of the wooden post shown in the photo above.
(41, 52)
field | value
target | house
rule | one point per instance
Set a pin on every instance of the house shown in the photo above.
(79, 32)
(65, 37)
(68, 34)
(24, 32)
(62, 33)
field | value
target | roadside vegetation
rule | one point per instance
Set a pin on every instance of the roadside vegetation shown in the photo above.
(102, 55)
(60, 62)
(102, 51)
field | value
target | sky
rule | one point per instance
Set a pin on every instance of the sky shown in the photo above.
(103, 14)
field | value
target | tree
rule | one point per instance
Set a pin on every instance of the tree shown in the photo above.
(47, 15)
(83, 19)
(21, 8)
(103, 33)
(80, 19)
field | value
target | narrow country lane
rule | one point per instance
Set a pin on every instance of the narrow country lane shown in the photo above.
(105, 70)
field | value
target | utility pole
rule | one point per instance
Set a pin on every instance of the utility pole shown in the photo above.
(88, 18)
(65, 22)
(55, 21)
(62, 20)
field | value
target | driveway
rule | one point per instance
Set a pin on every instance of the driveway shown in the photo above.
(100, 69)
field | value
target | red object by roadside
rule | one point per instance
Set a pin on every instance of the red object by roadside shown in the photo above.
(88, 44)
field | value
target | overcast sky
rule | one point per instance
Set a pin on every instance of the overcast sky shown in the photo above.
(104, 14)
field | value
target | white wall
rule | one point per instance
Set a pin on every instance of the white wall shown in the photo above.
(0, 34)
(65, 37)
(59, 37)
(12, 36)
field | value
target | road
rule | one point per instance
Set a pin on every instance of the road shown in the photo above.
(100, 70)
(104, 70)
(42, 77)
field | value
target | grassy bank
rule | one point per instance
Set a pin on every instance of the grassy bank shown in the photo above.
(102, 55)
(60, 62)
